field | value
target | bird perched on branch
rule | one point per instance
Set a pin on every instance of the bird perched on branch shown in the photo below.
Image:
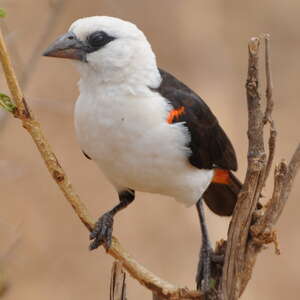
(146, 130)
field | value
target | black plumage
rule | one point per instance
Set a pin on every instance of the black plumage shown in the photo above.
(210, 146)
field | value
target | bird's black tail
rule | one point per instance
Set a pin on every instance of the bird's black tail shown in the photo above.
(221, 198)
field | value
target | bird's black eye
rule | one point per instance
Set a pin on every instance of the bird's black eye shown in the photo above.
(98, 39)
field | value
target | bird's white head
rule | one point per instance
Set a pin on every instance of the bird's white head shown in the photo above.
(110, 49)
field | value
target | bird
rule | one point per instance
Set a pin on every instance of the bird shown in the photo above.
(146, 130)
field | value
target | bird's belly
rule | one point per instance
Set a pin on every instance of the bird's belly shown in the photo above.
(136, 148)
(143, 167)
(137, 156)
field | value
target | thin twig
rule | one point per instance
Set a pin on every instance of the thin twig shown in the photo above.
(268, 219)
(269, 81)
(145, 277)
(10, 39)
(269, 107)
(262, 231)
(28, 69)
(271, 148)
(117, 282)
(4, 284)
(57, 8)
(292, 171)
(10, 75)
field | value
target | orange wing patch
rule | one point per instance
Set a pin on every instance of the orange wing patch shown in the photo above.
(221, 176)
(175, 114)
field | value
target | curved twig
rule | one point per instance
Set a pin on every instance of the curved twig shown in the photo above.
(57, 8)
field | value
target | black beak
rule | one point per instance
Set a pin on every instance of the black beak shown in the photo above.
(67, 46)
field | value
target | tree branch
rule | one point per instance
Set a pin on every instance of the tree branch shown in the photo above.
(249, 232)
(283, 182)
(249, 195)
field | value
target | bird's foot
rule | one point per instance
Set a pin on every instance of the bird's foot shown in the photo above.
(207, 258)
(204, 272)
(102, 232)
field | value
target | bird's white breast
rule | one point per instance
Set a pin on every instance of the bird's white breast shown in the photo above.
(124, 130)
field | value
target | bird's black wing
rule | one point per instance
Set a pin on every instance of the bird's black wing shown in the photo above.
(210, 146)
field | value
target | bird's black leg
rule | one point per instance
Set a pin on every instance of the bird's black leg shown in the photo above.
(204, 265)
(102, 233)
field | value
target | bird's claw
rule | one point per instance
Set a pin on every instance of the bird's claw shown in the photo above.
(208, 257)
(217, 258)
(203, 272)
(102, 232)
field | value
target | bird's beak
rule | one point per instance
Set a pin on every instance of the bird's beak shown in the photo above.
(67, 46)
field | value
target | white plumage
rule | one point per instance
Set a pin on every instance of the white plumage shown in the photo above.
(121, 123)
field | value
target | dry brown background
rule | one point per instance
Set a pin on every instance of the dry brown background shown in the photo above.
(43, 245)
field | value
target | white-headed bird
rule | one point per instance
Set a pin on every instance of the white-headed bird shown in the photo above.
(146, 130)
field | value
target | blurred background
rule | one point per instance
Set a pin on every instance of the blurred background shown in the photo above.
(44, 247)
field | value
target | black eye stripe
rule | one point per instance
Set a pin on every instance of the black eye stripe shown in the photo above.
(97, 40)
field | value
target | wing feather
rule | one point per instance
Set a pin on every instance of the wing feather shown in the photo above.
(210, 146)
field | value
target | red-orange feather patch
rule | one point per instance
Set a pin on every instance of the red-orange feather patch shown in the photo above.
(221, 176)
(175, 114)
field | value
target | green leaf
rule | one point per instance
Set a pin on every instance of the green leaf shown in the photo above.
(2, 13)
(6, 103)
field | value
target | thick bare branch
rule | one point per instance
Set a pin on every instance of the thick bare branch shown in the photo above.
(241, 254)
(233, 270)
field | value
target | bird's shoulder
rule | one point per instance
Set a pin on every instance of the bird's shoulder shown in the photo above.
(210, 146)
